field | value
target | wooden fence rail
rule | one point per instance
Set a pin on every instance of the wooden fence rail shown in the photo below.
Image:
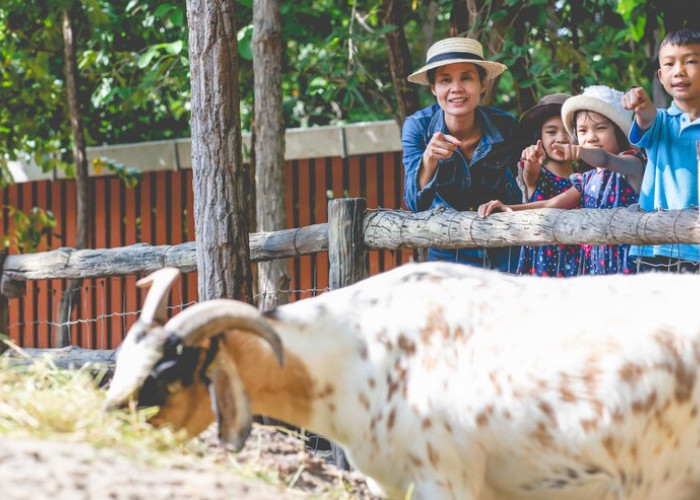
(443, 228)
(378, 229)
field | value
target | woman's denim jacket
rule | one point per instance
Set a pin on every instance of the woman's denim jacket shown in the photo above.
(461, 185)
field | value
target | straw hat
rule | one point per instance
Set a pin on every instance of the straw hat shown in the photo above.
(550, 105)
(456, 50)
(601, 99)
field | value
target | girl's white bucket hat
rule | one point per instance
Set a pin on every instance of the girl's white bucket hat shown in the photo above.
(601, 99)
(456, 50)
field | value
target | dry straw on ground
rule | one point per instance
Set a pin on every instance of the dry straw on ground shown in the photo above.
(55, 441)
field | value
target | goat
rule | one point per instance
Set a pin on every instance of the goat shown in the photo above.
(447, 380)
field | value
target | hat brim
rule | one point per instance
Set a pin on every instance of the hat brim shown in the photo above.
(541, 112)
(589, 103)
(492, 68)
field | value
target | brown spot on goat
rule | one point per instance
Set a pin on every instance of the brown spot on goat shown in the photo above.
(631, 373)
(426, 424)
(415, 460)
(328, 390)
(433, 455)
(611, 446)
(547, 409)
(644, 406)
(390, 420)
(407, 345)
(363, 401)
(435, 324)
(541, 435)
(589, 425)
(364, 353)
(685, 375)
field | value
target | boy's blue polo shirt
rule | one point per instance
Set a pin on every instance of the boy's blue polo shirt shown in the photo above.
(671, 174)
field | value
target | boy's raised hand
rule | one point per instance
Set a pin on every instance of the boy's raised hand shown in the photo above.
(636, 99)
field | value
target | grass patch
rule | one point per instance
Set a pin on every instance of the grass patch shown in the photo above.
(43, 402)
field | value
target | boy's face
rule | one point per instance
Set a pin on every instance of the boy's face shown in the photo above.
(679, 71)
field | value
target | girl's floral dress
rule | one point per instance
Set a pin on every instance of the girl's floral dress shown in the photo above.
(605, 189)
(549, 260)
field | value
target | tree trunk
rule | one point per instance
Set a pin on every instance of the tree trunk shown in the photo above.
(273, 276)
(83, 223)
(220, 179)
(400, 63)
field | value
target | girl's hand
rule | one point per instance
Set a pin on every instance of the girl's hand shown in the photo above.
(533, 157)
(492, 206)
(568, 151)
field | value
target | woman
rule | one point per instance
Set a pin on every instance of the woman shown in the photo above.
(457, 153)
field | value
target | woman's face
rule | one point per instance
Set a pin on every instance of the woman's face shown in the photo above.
(553, 133)
(457, 88)
(593, 130)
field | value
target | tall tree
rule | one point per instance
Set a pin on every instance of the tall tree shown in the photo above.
(273, 276)
(83, 220)
(400, 64)
(220, 178)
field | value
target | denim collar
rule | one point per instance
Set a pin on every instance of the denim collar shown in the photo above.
(490, 133)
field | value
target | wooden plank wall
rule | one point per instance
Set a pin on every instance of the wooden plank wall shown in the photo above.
(158, 211)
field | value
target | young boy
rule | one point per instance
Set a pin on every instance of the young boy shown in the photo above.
(669, 137)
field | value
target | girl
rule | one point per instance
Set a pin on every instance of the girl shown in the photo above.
(600, 126)
(543, 173)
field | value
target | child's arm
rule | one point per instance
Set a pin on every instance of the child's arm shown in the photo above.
(639, 101)
(532, 157)
(568, 199)
(629, 166)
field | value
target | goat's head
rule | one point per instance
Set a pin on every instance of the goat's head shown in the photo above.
(179, 367)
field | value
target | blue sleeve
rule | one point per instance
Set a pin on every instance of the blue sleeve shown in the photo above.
(642, 137)
(414, 144)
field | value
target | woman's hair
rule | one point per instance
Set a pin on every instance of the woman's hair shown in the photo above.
(479, 69)
(623, 142)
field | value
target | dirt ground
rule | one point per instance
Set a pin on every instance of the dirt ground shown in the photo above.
(40, 470)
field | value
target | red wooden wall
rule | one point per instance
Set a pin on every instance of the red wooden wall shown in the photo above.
(158, 211)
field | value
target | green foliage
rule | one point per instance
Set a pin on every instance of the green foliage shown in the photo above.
(129, 175)
(27, 229)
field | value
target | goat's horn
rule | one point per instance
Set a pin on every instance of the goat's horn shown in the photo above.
(210, 317)
(160, 283)
(143, 345)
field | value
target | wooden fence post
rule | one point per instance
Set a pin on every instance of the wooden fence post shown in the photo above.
(347, 252)
(4, 307)
(348, 258)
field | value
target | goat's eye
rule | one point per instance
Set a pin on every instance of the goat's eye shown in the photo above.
(174, 387)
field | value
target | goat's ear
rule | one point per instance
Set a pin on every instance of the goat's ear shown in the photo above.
(230, 401)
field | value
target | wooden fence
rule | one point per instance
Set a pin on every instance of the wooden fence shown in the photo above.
(158, 211)
(157, 214)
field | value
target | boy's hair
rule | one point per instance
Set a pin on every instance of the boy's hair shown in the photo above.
(623, 142)
(685, 36)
